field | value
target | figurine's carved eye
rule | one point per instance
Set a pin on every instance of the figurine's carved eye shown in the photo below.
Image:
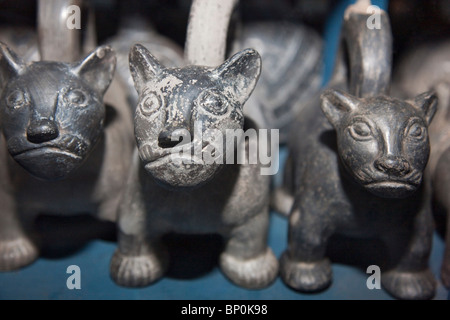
(416, 131)
(213, 102)
(151, 103)
(16, 99)
(361, 131)
(77, 97)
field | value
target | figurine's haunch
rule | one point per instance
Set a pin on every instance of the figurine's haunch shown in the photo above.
(356, 170)
(167, 194)
(67, 151)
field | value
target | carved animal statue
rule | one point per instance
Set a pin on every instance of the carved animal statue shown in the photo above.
(170, 192)
(62, 150)
(356, 170)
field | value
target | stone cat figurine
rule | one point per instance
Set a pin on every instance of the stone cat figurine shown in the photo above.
(356, 170)
(167, 193)
(63, 150)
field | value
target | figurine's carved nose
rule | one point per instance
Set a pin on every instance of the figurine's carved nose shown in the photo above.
(42, 131)
(168, 139)
(396, 166)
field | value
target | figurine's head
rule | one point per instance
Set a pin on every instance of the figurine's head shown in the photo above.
(382, 142)
(52, 113)
(183, 108)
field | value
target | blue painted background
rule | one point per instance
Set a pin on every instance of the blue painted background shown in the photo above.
(46, 279)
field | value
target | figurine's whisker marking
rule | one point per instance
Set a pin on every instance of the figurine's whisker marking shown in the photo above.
(363, 175)
(415, 177)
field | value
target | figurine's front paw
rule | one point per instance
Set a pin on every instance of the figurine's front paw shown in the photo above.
(256, 273)
(409, 285)
(306, 276)
(17, 253)
(138, 271)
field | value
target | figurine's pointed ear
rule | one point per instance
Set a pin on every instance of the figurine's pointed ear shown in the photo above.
(336, 103)
(240, 73)
(97, 69)
(143, 66)
(427, 102)
(10, 64)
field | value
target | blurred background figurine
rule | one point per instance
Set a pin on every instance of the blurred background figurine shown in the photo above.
(425, 68)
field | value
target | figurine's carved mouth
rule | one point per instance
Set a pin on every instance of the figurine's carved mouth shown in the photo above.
(68, 145)
(392, 184)
(392, 189)
(370, 178)
(180, 161)
(186, 155)
(46, 149)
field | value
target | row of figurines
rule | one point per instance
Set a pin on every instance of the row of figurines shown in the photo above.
(355, 167)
